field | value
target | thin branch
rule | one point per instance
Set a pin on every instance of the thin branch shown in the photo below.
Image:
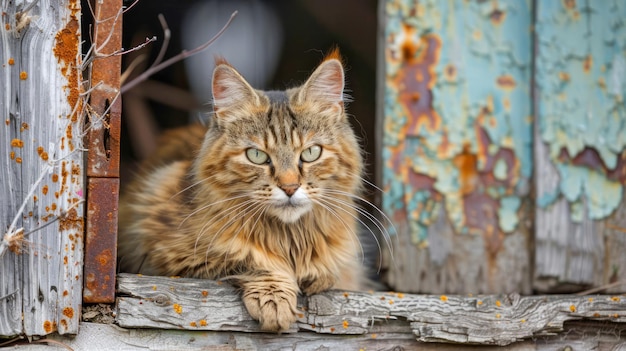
(167, 34)
(53, 342)
(131, 67)
(30, 6)
(131, 6)
(10, 341)
(183, 55)
(4, 244)
(123, 52)
(106, 41)
(601, 288)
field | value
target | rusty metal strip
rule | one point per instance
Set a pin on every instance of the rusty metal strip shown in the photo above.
(104, 134)
(101, 240)
(103, 155)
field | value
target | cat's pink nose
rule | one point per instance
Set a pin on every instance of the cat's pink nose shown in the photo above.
(289, 189)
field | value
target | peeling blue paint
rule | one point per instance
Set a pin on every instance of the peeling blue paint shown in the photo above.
(457, 105)
(582, 115)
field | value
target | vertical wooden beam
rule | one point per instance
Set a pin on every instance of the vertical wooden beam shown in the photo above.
(42, 168)
(457, 144)
(580, 150)
(103, 155)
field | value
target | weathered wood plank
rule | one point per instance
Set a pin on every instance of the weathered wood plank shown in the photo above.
(41, 152)
(580, 152)
(457, 141)
(103, 337)
(194, 304)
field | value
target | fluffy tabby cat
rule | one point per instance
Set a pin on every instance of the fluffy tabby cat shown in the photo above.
(266, 200)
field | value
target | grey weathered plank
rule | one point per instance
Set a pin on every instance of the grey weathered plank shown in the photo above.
(41, 158)
(108, 337)
(194, 304)
(580, 149)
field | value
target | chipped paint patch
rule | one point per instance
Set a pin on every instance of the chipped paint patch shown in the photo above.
(457, 99)
(581, 103)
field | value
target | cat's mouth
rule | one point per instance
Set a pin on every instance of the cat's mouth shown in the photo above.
(290, 209)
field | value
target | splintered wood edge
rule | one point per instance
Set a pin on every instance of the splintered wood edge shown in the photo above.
(196, 304)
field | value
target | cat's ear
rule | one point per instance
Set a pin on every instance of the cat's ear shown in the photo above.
(325, 86)
(231, 91)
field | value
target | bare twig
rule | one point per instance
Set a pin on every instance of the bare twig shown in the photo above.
(127, 8)
(27, 8)
(183, 55)
(55, 342)
(601, 288)
(131, 67)
(10, 341)
(167, 34)
(123, 52)
(13, 231)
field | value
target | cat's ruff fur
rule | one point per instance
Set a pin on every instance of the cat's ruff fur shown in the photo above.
(212, 213)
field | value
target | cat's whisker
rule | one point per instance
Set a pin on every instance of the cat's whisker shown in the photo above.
(202, 208)
(366, 181)
(379, 225)
(328, 201)
(246, 204)
(255, 206)
(365, 201)
(193, 185)
(261, 207)
(240, 213)
(327, 207)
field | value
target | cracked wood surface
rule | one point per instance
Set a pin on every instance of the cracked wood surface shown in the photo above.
(194, 304)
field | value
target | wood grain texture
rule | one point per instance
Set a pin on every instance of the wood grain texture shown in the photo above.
(101, 337)
(41, 166)
(193, 304)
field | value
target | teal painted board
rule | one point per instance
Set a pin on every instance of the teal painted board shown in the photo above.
(581, 76)
(457, 143)
(580, 153)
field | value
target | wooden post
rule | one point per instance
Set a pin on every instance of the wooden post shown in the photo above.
(41, 177)
(457, 144)
(580, 148)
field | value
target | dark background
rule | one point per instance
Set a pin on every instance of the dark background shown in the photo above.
(311, 28)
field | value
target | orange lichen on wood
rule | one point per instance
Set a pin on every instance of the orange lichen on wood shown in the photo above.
(23, 75)
(68, 312)
(178, 308)
(17, 143)
(66, 51)
(11, 61)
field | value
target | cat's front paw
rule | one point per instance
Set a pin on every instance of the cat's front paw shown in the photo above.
(275, 310)
(318, 285)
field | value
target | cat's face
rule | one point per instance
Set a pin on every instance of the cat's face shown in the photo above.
(281, 153)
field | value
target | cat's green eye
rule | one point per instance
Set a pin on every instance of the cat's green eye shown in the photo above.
(311, 154)
(257, 156)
